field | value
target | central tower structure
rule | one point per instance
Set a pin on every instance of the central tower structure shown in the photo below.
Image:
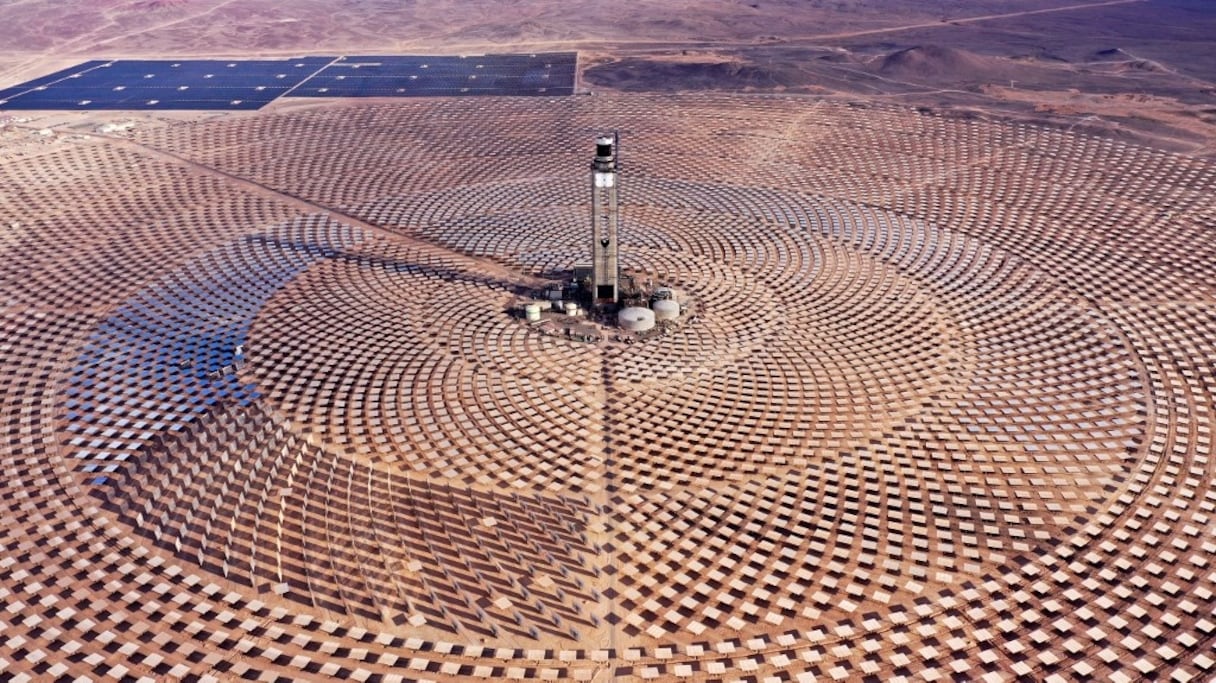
(605, 264)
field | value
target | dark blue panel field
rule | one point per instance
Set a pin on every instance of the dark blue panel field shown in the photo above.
(119, 98)
(423, 76)
(251, 84)
(163, 84)
(70, 72)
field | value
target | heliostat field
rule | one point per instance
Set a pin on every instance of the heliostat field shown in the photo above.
(945, 411)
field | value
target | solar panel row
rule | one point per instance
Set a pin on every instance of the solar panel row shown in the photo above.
(71, 71)
(139, 84)
(227, 84)
(375, 76)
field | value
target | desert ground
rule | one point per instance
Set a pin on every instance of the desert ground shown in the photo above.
(943, 409)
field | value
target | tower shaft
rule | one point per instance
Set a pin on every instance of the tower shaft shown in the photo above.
(605, 262)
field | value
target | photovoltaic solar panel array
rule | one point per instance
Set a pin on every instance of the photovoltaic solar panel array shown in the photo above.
(157, 84)
(228, 84)
(373, 76)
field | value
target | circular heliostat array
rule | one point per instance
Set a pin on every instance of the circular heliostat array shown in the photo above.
(943, 409)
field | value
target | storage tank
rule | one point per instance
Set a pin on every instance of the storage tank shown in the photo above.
(665, 309)
(635, 319)
(571, 309)
(532, 312)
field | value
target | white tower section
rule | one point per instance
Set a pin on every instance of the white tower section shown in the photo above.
(605, 266)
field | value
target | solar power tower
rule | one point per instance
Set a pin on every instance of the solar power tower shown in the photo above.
(605, 266)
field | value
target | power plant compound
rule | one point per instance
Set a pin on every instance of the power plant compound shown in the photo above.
(613, 300)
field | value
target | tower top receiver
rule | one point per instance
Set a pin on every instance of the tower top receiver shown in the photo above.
(605, 159)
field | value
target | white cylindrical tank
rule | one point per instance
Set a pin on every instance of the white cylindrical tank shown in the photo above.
(532, 312)
(571, 309)
(665, 309)
(635, 319)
